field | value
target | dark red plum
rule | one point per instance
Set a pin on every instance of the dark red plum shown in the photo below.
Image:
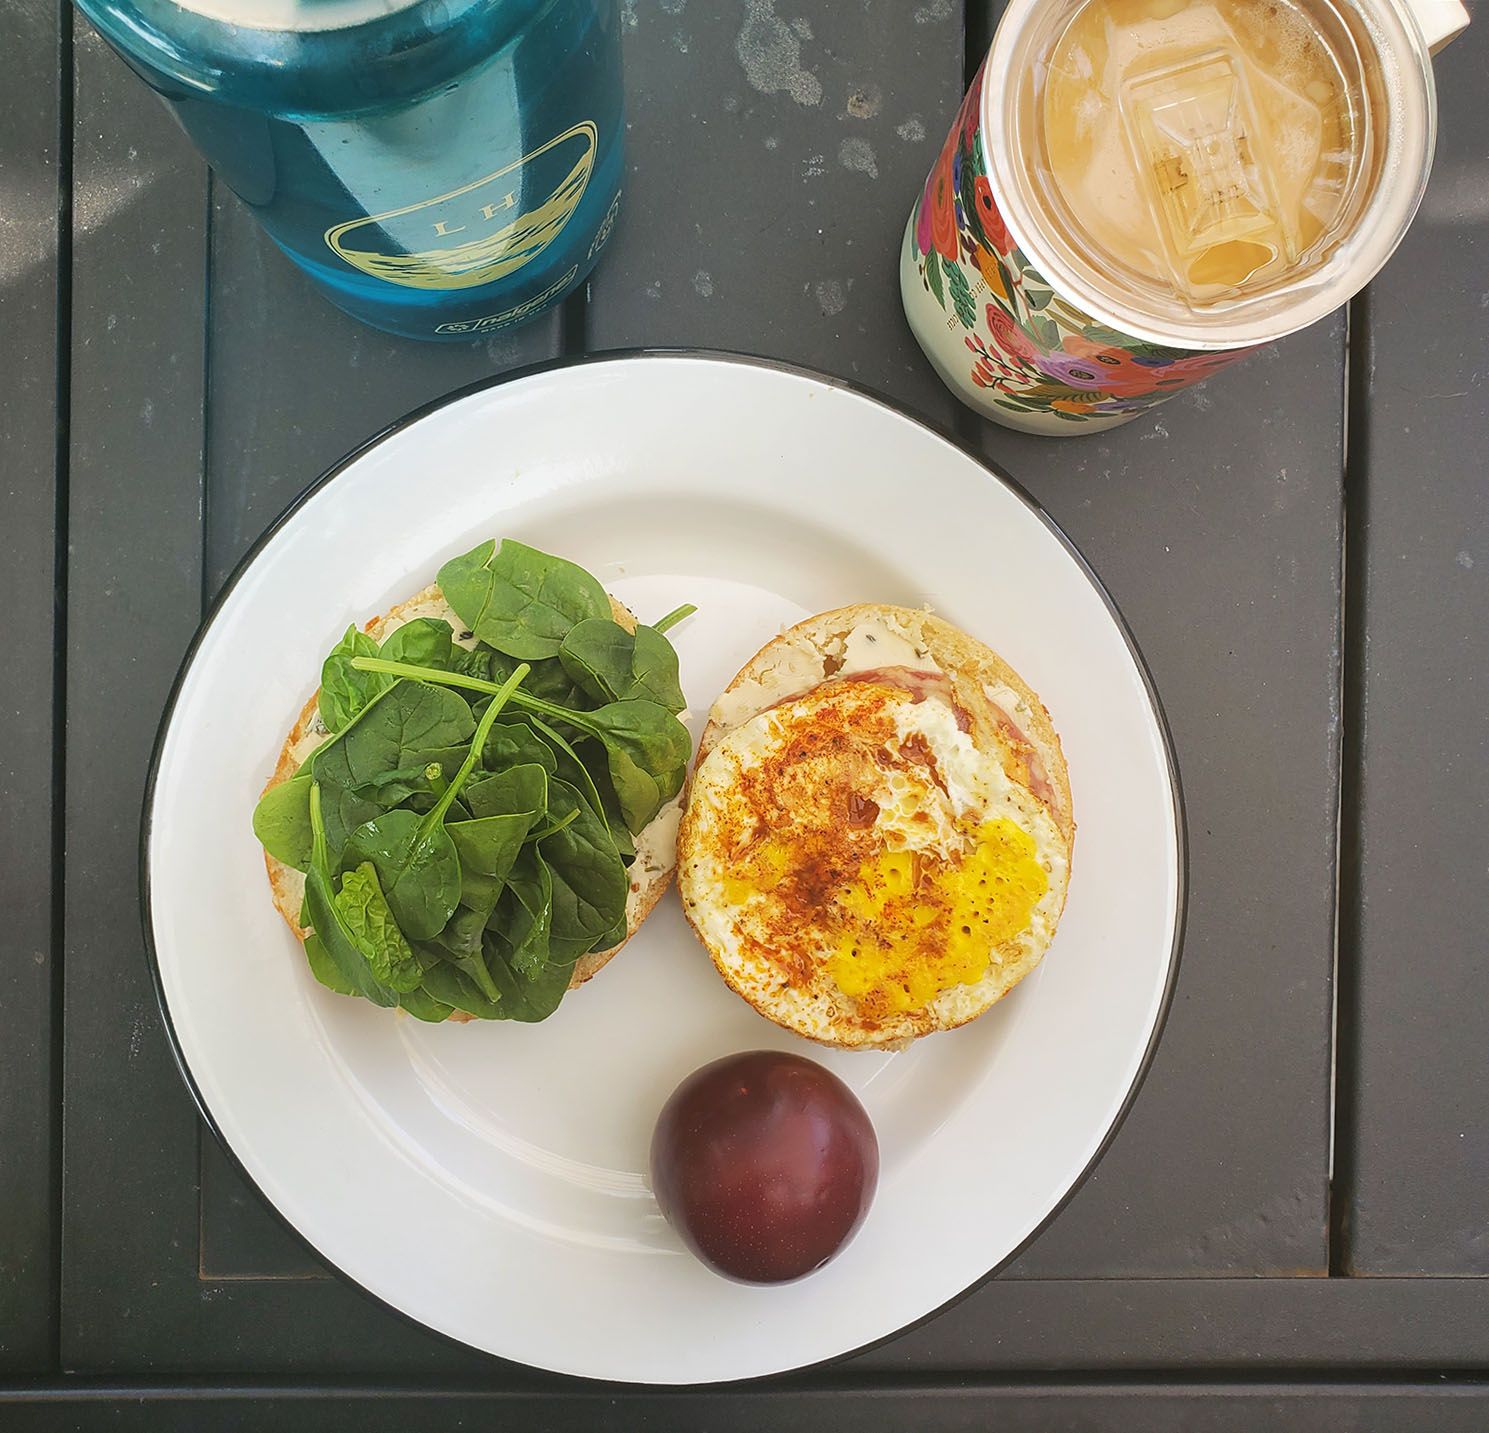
(765, 1164)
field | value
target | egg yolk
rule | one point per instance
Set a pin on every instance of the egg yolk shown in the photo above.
(768, 865)
(911, 927)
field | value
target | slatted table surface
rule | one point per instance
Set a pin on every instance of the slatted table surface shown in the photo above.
(1292, 1228)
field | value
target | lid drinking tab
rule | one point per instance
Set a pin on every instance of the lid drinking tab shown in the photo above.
(1194, 134)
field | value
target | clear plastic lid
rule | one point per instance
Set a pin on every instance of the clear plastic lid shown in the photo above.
(1208, 172)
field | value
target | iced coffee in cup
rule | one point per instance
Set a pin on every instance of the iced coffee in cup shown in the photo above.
(1138, 192)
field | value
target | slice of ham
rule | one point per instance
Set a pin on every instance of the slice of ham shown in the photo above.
(1039, 780)
(922, 684)
(919, 684)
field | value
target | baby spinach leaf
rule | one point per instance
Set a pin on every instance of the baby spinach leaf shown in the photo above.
(281, 821)
(475, 661)
(415, 856)
(344, 690)
(646, 751)
(488, 846)
(338, 943)
(449, 984)
(592, 758)
(420, 1003)
(464, 983)
(568, 763)
(343, 812)
(516, 744)
(419, 871)
(423, 1006)
(324, 968)
(410, 725)
(461, 982)
(597, 655)
(610, 664)
(368, 920)
(426, 642)
(525, 917)
(519, 600)
(654, 671)
(556, 825)
(335, 939)
(588, 881)
(393, 788)
(462, 934)
(487, 984)
(613, 937)
(525, 997)
(522, 743)
(519, 789)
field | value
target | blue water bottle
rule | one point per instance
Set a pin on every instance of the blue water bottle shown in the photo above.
(442, 168)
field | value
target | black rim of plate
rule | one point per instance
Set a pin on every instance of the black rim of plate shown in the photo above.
(712, 356)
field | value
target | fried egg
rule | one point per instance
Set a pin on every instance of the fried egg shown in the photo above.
(861, 871)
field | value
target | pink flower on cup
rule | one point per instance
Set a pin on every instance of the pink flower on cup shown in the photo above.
(1010, 337)
(923, 239)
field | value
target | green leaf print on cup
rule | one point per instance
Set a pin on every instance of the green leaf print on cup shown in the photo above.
(961, 296)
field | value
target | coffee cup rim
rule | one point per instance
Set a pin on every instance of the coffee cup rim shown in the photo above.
(1410, 143)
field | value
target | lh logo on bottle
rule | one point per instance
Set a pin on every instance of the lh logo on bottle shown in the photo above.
(478, 235)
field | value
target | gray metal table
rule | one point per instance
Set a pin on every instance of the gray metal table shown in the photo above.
(1290, 1228)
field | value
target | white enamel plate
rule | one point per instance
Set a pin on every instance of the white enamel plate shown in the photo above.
(762, 495)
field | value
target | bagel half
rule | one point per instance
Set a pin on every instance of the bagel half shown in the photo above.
(813, 707)
(650, 873)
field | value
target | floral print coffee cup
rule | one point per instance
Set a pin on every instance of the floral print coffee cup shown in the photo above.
(1035, 305)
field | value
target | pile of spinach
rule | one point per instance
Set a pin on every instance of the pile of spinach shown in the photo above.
(465, 827)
